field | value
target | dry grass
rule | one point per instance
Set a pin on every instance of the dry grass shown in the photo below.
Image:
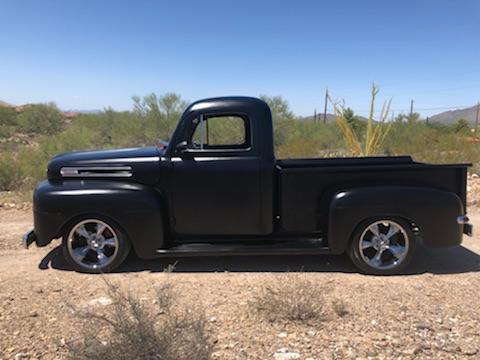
(291, 297)
(133, 329)
(339, 307)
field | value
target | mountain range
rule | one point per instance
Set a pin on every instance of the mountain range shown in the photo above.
(451, 116)
(446, 117)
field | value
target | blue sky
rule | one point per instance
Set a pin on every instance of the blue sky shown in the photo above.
(91, 54)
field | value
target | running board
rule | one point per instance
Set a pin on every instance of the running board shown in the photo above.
(298, 247)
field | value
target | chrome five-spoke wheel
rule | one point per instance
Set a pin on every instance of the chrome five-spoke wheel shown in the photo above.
(93, 245)
(382, 246)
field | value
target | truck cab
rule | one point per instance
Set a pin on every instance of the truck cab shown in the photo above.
(222, 169)
(217, 189)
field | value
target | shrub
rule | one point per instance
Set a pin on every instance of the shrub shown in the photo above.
(11, 174)
(41, 119)
(291, 297)
(371, 142)
(339, 307)
(134, 330)
(8, 116)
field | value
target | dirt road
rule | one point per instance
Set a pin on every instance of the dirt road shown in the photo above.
(433, 311)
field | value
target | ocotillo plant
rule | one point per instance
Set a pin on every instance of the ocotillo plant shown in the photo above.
(375, 132)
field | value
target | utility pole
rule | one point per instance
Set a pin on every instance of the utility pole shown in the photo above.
(314, 115)
(411, 108)
(325, 107)
(476, 118)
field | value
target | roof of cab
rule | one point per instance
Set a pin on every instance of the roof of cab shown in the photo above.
(230, 103)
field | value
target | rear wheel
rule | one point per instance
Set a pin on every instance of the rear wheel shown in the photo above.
(382, 246)
(95, 245)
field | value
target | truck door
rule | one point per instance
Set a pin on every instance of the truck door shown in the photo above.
(216, 178)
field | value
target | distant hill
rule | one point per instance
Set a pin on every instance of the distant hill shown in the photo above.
(4, 104)
(330, 118)
(451, 116)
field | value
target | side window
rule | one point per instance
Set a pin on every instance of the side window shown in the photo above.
(221, 132)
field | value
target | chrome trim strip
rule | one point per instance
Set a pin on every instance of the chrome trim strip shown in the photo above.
(97, 171)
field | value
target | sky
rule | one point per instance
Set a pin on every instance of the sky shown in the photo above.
(92, 54)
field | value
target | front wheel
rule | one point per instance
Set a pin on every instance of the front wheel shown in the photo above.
(382, 246)
(95, 245)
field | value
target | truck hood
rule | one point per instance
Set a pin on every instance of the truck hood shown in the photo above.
(136, 164)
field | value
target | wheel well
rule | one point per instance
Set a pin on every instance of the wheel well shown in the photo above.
(77, 218)
(413, 226)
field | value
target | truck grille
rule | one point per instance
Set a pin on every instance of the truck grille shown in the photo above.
(97, 171)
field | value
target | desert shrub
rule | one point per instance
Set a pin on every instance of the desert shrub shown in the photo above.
(11, 174)
(41, 119)
(6, 131)
(133, 329)
(291, 297)
(339, 307)
(431, 143)
(371, 141)
(8, 117)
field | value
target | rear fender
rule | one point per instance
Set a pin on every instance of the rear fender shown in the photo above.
(434, 211)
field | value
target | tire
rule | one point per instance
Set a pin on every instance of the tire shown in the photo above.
(95, 245)
(382, 246)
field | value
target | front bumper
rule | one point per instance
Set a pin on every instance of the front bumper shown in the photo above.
(28, 238)
(467, 226)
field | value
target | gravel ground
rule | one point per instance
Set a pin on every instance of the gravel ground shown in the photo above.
(430, 312)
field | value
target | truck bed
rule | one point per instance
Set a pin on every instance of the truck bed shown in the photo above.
(304, 184)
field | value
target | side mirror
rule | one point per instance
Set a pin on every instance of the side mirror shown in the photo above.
(182, 146)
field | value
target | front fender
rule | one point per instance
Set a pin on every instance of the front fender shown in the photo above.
(136, 208)
(434, 211)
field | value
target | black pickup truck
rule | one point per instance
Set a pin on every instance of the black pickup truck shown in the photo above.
(217, 189)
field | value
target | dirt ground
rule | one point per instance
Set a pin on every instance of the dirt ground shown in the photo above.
(433, 311)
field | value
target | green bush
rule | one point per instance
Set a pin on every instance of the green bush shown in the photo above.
(11, 174)
(8, 116)
(41, 119)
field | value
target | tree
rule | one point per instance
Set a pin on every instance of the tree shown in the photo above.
(282, 118)
(159, 115)
(413, 118)
(352, 119)
(172, 104)
(461, 126)
(279, 107)
(41, 119)
(410, 118)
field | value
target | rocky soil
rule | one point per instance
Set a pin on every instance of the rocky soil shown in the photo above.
(430, 312)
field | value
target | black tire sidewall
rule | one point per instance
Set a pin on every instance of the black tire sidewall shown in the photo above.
(354, 250)
(123, 246)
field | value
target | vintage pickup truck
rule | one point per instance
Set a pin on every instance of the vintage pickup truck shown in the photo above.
(217, 189)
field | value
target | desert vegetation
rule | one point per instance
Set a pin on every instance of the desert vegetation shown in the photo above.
(30, 138)
(135, 329)
(291, 297)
